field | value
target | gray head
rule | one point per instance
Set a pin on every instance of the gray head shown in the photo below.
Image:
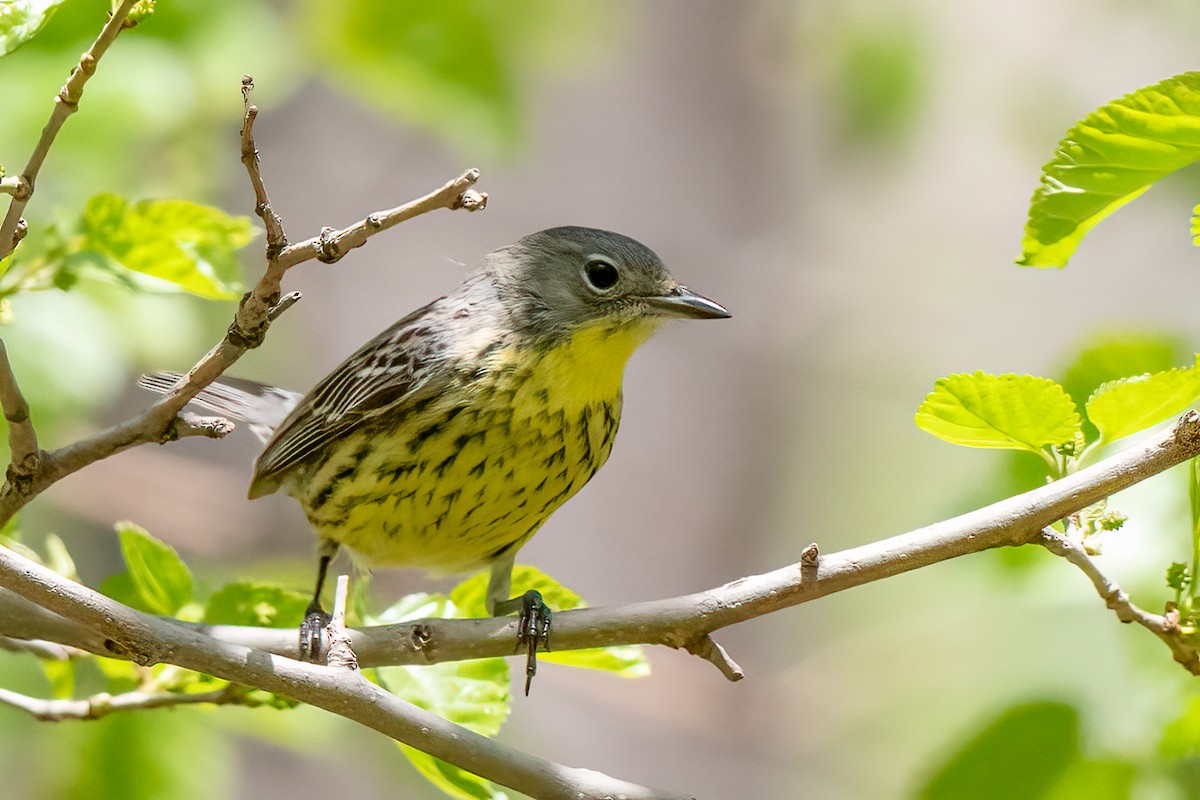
(559, 279)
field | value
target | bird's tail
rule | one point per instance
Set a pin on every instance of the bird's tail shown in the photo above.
(260, 406)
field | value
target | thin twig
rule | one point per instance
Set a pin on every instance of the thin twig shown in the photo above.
(341, 654)
(65, 104)
(1166, 627)
(22, 438)
(331, 245)
(101, 705)
(276, 237)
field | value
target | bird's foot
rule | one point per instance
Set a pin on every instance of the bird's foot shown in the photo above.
(533, 630)
(313, 644)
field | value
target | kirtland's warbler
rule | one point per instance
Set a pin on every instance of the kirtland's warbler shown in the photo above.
(447, 440)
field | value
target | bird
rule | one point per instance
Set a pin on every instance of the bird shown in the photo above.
(445, 442)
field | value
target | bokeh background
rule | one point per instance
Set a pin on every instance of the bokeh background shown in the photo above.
(849, 178)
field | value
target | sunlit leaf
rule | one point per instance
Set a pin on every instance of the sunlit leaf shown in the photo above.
(1112, 355)
(452, 780)
(157, 577)
(1123, 407)
(20, 20)
(252, 603)
(1015, 412)
(182, 244)
(1107, 159)
(1022, 753)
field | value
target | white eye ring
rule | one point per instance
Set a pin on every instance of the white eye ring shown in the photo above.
(601, 275)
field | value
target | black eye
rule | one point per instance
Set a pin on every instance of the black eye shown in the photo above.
(601, 275)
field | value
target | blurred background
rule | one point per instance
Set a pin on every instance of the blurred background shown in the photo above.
(850, 179)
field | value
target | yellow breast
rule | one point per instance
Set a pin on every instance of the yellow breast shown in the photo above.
(477, 471)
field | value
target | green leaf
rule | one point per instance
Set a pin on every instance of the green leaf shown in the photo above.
(1022, 753)
(1196, 226)
(181, 244)
(1113, 355)
(1095, 780)
(452, 780)
(1181, 737)
(1123, 407)
(252, 603)
(628, 661)
(158, 580)
(1014, 412)
(20, 20)
(1109, 158)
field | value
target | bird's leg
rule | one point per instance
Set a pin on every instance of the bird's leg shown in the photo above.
(312, 629)
(533, 615)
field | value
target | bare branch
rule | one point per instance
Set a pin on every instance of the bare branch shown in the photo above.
(683, 621)
(147, 640)
(276, 237)
(331, 245)
(101, 705)
(22, 439)
(1166, 627)
(65, 104)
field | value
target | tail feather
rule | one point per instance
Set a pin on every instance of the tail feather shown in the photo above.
(261, 406)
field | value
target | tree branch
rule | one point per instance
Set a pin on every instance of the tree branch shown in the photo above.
(1166, 628)
(65, 104)
(685, 621)
(148, 640)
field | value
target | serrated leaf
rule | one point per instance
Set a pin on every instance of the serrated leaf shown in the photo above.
(254, 603)
(452, 780)
(20, 20)
(159, 581)
(1043, 738)
(182, 244)
(1013, 412)
(1108, 159)
(1112, 355)
(1123, 407)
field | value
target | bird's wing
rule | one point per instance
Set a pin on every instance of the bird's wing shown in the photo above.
(389, 374)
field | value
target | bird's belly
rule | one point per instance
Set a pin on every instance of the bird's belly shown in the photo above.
(451, 489)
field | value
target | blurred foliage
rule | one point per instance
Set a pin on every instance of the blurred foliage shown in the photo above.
(1031, 751)
(21, 20)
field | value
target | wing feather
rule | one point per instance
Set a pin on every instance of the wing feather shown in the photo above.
(386, 375)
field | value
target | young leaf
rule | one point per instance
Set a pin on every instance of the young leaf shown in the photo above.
(1114, 354)
(20, 20)
(160, 582)
(251, 603)
(186, 245)
(1123, 407)
(1013, 412)
(1109, 158)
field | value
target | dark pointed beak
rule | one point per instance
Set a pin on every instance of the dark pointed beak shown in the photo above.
(682, 302)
